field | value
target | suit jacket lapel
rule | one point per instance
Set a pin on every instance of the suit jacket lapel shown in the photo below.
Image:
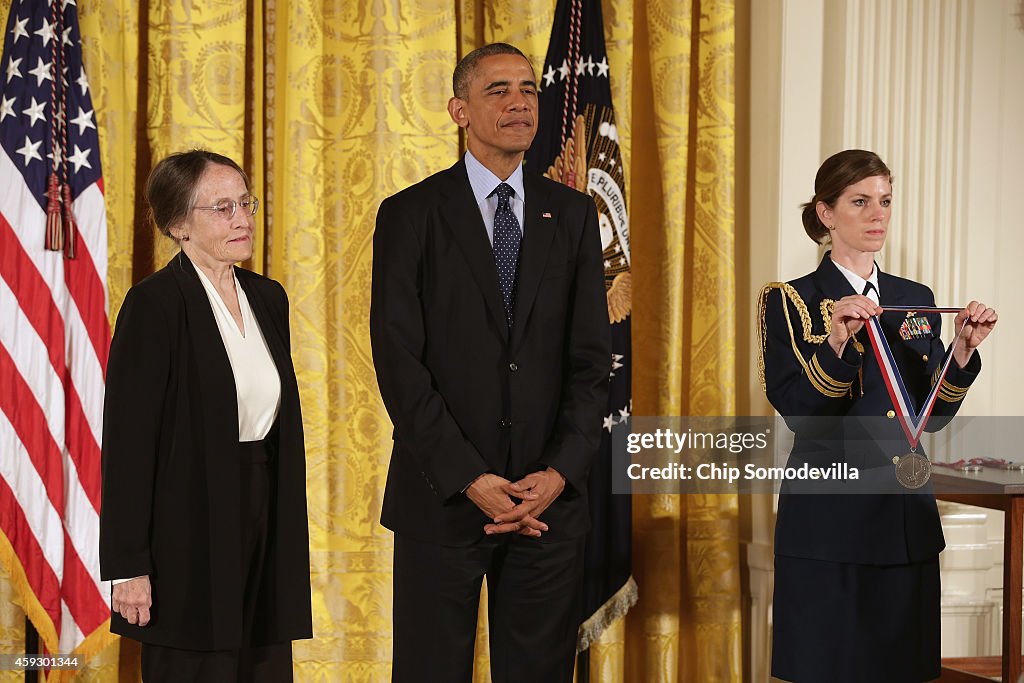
(213, 365)
(533, 254)
(462, 215)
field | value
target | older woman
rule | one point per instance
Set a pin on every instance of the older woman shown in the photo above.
(203, 525)
(857, 576)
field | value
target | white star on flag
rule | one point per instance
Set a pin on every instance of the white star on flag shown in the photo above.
(590, 65)
(564, 70)
(624, 413)
(50, 154)
(80, 158)
(83, 120)
(12, 69)
(602, 67)
(41, 72)
(19, 30)
(6, 108)
(66, 36)
(30, 150)
(549, 76)
(83, 82)
(35, 111)
(609, 422)
(580, 65)
(46, 32)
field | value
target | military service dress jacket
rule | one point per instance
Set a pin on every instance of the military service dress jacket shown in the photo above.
(840, 412)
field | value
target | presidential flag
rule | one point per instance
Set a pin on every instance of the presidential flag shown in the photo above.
(577, 144)
(54, 333)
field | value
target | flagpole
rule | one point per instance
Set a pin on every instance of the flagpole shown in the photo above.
(31, 648)
(583, 666)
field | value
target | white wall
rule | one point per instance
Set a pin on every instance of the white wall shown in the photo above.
(936, 87)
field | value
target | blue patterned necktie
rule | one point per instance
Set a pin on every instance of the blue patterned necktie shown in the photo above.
(507, 236)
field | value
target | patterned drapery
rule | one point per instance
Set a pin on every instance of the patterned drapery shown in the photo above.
(333, 105)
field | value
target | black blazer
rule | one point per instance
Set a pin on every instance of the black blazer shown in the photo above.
(853, 428)
(171, 477)
(466, 394)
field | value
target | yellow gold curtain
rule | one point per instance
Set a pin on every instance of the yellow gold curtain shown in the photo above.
(333, 105)
(685, 548)
(12, 628)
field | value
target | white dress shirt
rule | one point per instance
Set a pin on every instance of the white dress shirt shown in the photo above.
(857, 282)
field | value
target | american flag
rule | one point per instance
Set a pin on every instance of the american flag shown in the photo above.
(54, 333)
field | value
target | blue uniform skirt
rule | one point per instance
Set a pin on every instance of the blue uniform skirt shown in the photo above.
(855, 623)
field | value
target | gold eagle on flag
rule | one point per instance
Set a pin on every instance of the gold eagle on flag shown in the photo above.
(573, 168)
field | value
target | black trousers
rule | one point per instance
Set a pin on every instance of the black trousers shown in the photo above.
(534, 594)
(250, 664)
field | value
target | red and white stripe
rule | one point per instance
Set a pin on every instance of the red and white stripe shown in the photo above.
(54, 339)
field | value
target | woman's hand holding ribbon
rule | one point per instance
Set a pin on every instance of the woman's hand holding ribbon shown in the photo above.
(848, 317)
(980, 320)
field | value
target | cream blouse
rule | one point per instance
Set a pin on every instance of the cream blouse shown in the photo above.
(257, 384)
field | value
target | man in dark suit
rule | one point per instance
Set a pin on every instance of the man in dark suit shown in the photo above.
(491, 345)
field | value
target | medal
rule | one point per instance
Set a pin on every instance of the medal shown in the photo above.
(913, 469)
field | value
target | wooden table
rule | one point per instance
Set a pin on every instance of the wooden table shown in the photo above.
(996, 490)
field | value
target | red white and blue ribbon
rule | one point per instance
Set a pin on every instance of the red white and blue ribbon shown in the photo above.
(912, 420)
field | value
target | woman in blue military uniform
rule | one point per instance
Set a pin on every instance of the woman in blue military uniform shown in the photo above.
(857, 576)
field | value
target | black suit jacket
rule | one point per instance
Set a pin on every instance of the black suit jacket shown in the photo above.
(467, 395)
(171, 471)
(854, 428)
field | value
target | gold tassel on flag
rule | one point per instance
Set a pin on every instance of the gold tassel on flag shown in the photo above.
(60, 222)
(54, 223)
(70, 228)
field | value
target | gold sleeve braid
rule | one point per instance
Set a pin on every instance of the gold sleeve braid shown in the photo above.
(950, 393)
(824, 383)
(819, 379)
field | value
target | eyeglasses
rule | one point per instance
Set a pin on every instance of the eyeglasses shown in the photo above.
(226, 210)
